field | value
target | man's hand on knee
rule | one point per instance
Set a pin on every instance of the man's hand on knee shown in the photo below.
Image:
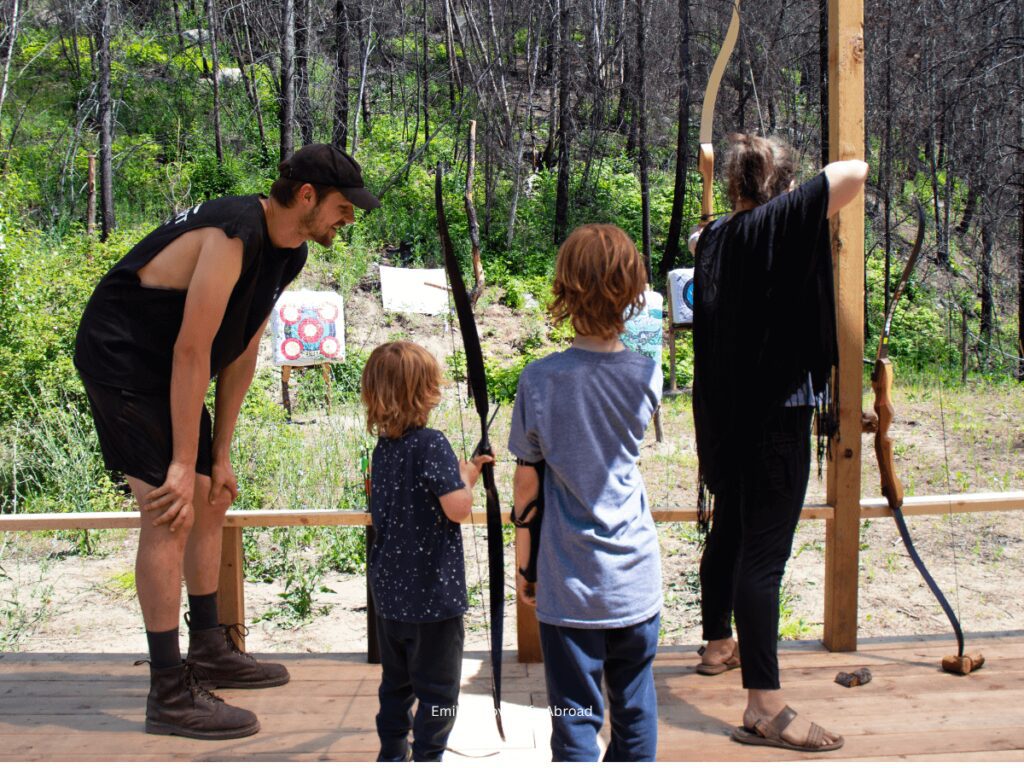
(223, 485)
(173, 499)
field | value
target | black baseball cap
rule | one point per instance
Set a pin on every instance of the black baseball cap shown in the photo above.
(327, 165)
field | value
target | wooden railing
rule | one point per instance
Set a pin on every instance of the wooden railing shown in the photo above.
(231, 594)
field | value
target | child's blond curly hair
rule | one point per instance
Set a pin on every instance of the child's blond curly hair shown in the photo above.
(401, 385)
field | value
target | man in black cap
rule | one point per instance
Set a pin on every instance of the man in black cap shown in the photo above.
(189, 303)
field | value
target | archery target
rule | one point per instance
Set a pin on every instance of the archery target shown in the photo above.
(644, 328)
(308, 327)
(681, 287)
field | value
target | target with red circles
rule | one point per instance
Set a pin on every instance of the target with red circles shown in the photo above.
(290, 314)
(292, 349)
(310, 330)
(330, 347)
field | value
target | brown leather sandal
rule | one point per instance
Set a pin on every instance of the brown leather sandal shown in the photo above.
(768, 733)
(733, 662)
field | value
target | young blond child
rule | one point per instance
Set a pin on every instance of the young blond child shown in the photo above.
(583, 413)
(419, 493)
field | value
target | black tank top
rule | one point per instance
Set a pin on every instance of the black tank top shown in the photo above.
(128, 331)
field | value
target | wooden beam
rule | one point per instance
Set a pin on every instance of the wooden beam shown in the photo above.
(957, 503)
(846, 142)
(1008, 501)
(231, 590)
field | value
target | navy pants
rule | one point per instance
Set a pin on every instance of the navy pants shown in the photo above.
(575, 662)
(751, 538)
(420, 662)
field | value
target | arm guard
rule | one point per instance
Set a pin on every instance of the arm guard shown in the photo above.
(533, 525)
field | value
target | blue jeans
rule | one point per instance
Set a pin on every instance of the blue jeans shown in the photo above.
(424, 662)
(575, 660)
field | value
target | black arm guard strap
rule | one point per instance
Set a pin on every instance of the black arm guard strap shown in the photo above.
(530, 571)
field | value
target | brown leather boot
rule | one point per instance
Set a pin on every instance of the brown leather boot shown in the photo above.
(179, 705)
(222, 665)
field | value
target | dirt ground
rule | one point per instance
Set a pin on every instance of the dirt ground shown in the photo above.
(52, 599)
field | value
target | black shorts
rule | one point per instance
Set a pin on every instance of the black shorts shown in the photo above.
(135, 432)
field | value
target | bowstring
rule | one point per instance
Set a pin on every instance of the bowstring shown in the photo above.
(950, 525)
(453, 315)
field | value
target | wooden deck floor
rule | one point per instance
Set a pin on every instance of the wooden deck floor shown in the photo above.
(89, 707)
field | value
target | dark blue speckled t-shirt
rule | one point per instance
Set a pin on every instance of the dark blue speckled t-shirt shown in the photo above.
(417, 571)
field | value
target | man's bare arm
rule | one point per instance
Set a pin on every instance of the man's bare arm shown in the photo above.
(217, 269)
(232, 384)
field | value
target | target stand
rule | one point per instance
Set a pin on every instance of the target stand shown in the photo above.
(286, 375)
(680, 318)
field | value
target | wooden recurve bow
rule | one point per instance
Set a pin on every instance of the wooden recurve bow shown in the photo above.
(892, 488)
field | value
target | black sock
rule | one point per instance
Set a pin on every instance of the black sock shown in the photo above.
(164, 650)
(202, 610)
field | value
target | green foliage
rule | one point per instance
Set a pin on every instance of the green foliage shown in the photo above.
(210, 178)
(503, 381)
(48, 284)
(918, 338)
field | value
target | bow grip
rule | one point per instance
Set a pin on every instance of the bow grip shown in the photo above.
(706, 166)
(881, 383)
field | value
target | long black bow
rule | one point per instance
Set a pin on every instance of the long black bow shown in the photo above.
(477, 380)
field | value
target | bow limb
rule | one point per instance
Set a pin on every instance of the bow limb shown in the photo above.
(476, 377)
(881, 384)
(706, 157)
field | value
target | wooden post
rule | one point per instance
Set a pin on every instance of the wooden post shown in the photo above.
(325, 370)
(527, 628)
(286, 374)
(846, 141)
(231, 590)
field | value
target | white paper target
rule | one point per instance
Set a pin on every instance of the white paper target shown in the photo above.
(423, 291)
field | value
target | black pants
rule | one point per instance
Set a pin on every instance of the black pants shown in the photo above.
(755, 518)
(420, 662)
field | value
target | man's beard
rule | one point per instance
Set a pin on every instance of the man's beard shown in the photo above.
(308, 222)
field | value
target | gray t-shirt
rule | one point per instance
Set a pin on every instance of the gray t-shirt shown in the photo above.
(584, 413)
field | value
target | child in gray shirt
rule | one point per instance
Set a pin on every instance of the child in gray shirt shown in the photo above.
(583, 412)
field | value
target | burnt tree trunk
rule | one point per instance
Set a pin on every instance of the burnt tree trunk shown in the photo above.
(641, 122)
(339, 136)
(106, 115)
(675, 225)
(985, 280)
(303, 105)
(211, 20)
(286, 112)
(562, 186)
